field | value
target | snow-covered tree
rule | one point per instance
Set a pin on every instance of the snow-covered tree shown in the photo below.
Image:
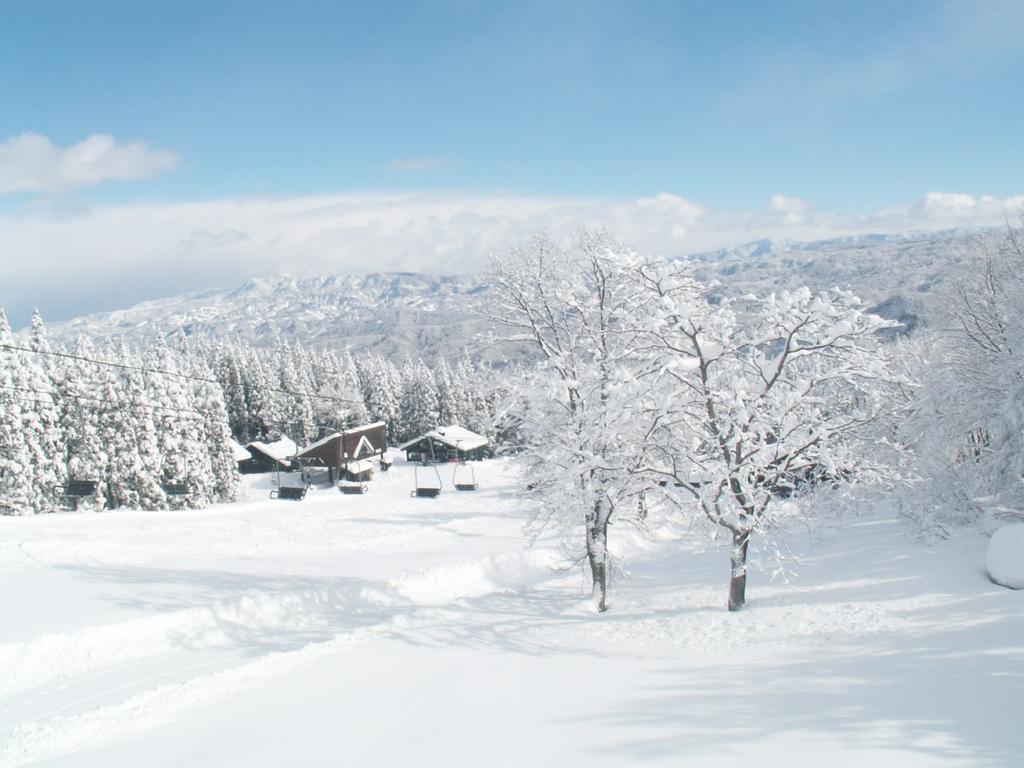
(80, 403)
(968, 424)
(15, 460)
(760, 397)
(419, 405)
(577, 307)
(41, 421)
(293, 392)
(220, 480)
(228, 369)
(348, 396)
(467, 400)
(182, 458)
(448, 398)
(381, 388)
(127, 433)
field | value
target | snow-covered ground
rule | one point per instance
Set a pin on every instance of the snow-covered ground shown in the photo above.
(382, 630)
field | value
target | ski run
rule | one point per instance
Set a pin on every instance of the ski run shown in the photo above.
(382, 629)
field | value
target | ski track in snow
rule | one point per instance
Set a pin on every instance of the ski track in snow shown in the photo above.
(95, 648)
(57, 656)
(63, 734)
(352, 612)
(276, 588)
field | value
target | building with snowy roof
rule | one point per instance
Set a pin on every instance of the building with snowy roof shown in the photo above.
(268, 457)
(240, 452)
(451, 443)
(352, 454)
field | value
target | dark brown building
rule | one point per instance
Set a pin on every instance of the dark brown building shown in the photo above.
(350, 455)
(267, 457)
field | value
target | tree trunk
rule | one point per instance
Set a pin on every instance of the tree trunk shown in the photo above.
(597, 555)
(599, 571)
(738, 580)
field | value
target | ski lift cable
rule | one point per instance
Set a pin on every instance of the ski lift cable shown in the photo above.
(133, 404)
(57, 396)
(196, 418)
(144, 369)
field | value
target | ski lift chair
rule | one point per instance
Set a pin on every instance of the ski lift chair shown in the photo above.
(290, 492)
(464, 477)
(176, 489)
(424, 490)
(74, 491)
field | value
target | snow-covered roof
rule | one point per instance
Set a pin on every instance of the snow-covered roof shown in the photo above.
(364, 427)
(322, 441)
(239, 451)
(453, 435)
(279, 449)
(360, 466)
(345, 433)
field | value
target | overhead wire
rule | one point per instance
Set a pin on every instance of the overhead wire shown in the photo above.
(198, 415)
(80, 397)
(138, 405)
(145, 369)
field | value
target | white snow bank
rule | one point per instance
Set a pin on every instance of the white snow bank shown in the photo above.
(1005, 557)
(507, 572)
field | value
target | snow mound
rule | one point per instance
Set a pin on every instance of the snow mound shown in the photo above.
(1005, 557)
(507, 572)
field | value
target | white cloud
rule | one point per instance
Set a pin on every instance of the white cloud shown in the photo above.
(793, 210)
(419, 164)
(201, 239)
(30, 162)
(72, 261)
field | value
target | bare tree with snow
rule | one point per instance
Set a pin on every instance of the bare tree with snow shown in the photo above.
(759, 397)
(577, 307)
(970, 418)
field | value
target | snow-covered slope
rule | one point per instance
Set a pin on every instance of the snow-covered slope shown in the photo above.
(383, 630)
(401, 313)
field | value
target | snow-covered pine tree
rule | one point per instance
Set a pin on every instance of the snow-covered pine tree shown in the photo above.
(464, 395)
(328, 413)
(137, 436)
(266, 412)
(351, 393)
(41, 421)
(197, 443)
(81, 404)
(379, 385)
(176, 427)
(296, 404)
(419, 402)
(227, 368)
(447, 397)
(221, 481)
(15, 469)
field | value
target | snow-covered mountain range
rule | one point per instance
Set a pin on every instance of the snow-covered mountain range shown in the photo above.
(403, 313)
(386, 313)
(900, 275)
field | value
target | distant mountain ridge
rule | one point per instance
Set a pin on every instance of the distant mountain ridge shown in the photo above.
(399, 314)
(390, 313)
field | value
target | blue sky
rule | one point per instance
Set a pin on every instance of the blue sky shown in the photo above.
(845, 108)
